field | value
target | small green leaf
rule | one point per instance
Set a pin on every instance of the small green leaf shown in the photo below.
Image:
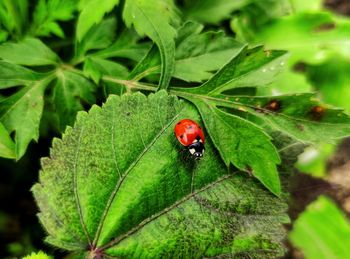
(125, 46)
(91, 13)
(14, 75)
(96, 67)
(322, 231)
(100, 36)
(103, 190)
(243, 144)
(208, 11)
(22, 112)
(70, 91)
(153, 18)
(7, 147)
(29, 52)
(48, 12)
(253, 67)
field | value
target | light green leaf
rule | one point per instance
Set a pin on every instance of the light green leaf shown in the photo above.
(96, 67)
(100, 36)
(38, 255)
(253, 67)
(243, 144)
(153, 18)
(48, 12)
(7, 147)
(30, 52)
(208, 11)
(70, 92)
(91, 13)
(198, 54)
(14, 75)
(14, 16)
(322, 231)
(21, 113)
(118, 184)
(332, 80)
(313, 160)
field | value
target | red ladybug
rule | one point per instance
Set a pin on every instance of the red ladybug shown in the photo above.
(190, 135)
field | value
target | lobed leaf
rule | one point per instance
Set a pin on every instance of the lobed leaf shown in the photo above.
(153, 18)
(197, 56)
(103, 193)
(21, 112)
(243, 144)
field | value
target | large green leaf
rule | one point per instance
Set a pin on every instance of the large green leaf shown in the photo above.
(7, 147)
(103, 192)
(153, 18)
(91, 13)
(322, 231)
(30, 52)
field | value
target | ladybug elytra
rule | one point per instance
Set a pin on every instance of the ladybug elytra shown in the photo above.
(190, 135)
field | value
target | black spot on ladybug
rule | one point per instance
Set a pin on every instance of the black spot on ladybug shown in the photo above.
(189, 127)
(317, 112)
(181, 136)
(178, 123)
(273, 105)
(199, 127)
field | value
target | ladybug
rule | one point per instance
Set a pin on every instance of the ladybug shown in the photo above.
(190, 135)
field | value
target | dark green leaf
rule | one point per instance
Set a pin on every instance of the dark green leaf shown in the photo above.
(103, 188)
(153, 18)
(100, 36)
(48, 12)
(322, 231)
(91, 13)
(125, 46)
(71, 90)
(96, 67)
(7, 147)
(30, 52)
(14, 75)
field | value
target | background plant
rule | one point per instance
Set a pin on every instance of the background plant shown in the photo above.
(241, 92)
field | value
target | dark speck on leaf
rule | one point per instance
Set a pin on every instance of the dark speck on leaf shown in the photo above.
(273, 105)
(300, 126)
(128, 113)
(317, 112)
(325, 27)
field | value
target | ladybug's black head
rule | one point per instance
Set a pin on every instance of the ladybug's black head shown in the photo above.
(196, 149)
